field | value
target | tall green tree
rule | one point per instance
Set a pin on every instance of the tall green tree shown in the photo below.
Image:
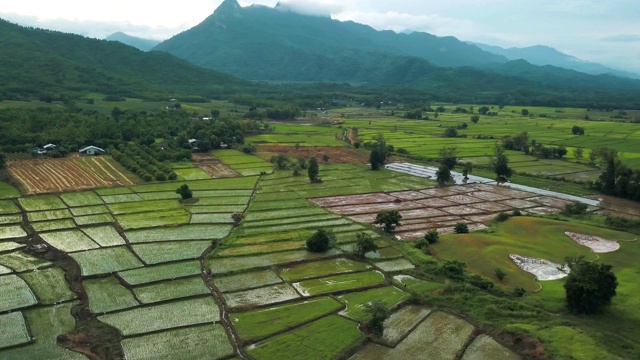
(376, 159)
(449, 157)
(364, 244)
(389, 219)
(443, 175)
(184, 192)
(378, 312)
(313, 170)
(589, 287)
(321, 241)
(500, 164)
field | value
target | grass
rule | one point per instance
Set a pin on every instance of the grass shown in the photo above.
(233, 264)
(89, 210)
(169, 290)
(49, 215)
(221, 218)
(7, 191)
(200, 342)
(243, 183)
(143, 206)
(394, 265)
(187, 232)
(484, 347)
(321, 268)
(113, 191)
(154, 219)
(42, 202)
(150, 274)
(261, 248)
(107, 295)
(191, 174)
(120, 198)
(261, 296)
(93, 219)
(105, 261)
(9, 246)
(10, 219)
(317, 340)
(12, 232)
(104, 235)
(340, 282)
(417, 285)
(53, 225)
(14, 330)
(248, 280)
(69, 240)
(21, 262)
(170, 251)
(256, 324)
(84, 198)
(16, 294)
(165, 316)
(355, 301)
(49, 285)
(8, 207)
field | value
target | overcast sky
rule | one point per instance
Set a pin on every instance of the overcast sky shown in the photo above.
(605, 31)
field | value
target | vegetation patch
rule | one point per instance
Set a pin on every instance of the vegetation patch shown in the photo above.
(8, 207)
(170, 251)
(259, 323)
(241, 183)
(153, 219)
(20, 262)
(322, 268)
(15, 293)
(200, 342)
(120, 198)
(105, 261)
(316, 340)
(221, 218)
(402, 322)
(93, 219)
(69, 241)
(81, 198)
(40, 203)
(485, 348)
(107, 295)
(260, 248)
(340, 282)
(248, 280)
(240, 263)
(89, 210)
(9, 246)
(173, 289)
(418, 285)
(355, 301)
(49, 285)
(150, 274)
(53, 225)
(395, 265)
(104, 235)
(143, 206)
(49, 215)
(187, 232)
(166, 316)
(7, 191)
(12, 232)
(14, 330)
(261, 296)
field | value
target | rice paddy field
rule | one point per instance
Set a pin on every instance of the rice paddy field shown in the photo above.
(133, 272)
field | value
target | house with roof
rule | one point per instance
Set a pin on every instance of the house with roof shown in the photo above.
(92, 150)
(49, 147)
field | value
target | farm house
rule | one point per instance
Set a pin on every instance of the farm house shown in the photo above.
(91, 150)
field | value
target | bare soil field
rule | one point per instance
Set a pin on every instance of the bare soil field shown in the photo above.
(336, 154)
(213, 166)
(67, 174)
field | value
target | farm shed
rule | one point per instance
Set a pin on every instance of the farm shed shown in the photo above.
(91, 150)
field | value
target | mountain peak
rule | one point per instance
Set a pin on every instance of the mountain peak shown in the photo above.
(228, 7)
(306, 9)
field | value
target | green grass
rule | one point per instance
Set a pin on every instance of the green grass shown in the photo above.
(8, 207)
(321, 268)
(120, 198)
(143, 206)
(149, 274)
(221, 218)
(165, 316)
(417, 285)
(107, 295)
(322, 339)
(10, 219)
(187, 232)
(261, 248)
(12, 232)
(104, 235)
(169, 290)
(49, 215)
(113, 191)
(105, 261)
(247, 280)
(153, 219)
(81, 198)
(191, 174)
(53, 225)
(240, 263)
(9, 246)
(93, 219)
(200, 342)
(20, 262)
(14, 330)
(341, 282)
(42, 202)
(7, 191)
(256, 324)
(89, 210)
(390, 295)
(49, 285)
(15, 294)
(485, 347)
(69, 240)
(170, 251)
(261, 296)
(242, 183)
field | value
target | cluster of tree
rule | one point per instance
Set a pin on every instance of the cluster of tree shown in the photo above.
(617, 179)
(380, 151)
(499, 163)
(276, 113)
(545, 152)
(519, 142)
(415, 115)
(143, 161)
(448, 160)
(577, 130)
(590, 286)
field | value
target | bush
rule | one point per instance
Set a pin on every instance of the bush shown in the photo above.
(379, 312)
(519, 292)
(432, 236)
(516, 212)
(237, 218)
(390, 220)
(184, 192)
(461, 228)
(321, 241)
(500, 274)
(575, 209)
(502, 217)
(453, 269)
(364, 244)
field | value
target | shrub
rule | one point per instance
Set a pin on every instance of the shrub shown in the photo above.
(500, 274)
(390, 220)
(516, 212)
(502, 217)
(519, 292)
(432, 236)
(575, 209)
(461, 228)
(364, 244)
(321, 241)
(237, 218)
(184, 192)
(379, 312)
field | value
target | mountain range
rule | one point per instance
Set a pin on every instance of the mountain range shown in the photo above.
(136, 42)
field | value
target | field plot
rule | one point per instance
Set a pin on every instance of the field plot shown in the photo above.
(233, 264)
(93, 219)
(14, 330)
(160, 195)
(187, 232)
(43, 202)
(104, 235)
(261, 296)
(84, 198)
(46, 323)
(107, 295)
(153, 219)
(150, 274)
(173, 289)
(248, 280)
(49, 215)
(143, 206)
(8, 207)
(402, 322)
(322, 268)
(49, 285)
(220, 218)
(337, 154)
(53, 225)
(485, 348)
(156, 253)
(10, 219)
(191, 174)
(20, 262)
(7, 191)
(242, 163)
(71, 173)
(340, 282)
(242, 183)
(440, 336)
(69, 241)
(89, 210)
(120, 198)
(255, 324)
(12, 232)
(395, 265)
(418, 285)
(316, 340)
(200, 342)
(261, 248)
(212, 166)
(15, 293)
(355, 301)
(105, 261)
(165, 316)
(9, 246)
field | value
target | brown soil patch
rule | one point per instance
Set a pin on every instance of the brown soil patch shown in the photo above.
(491, 207)
(511, 193)
(549, 201)
(421, 213)
(462, 199)
(46, 175)
(352, 200)
(437, 203)
(437, 192)
(374, 208)
(518, 203)
(489, 196)
(336, 154)
(544, 210)
(410, 195)
(463, 210)
(213, 166)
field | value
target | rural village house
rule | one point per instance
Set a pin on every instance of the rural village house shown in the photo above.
(92, 150)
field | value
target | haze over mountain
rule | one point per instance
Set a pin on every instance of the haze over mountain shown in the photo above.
(545, 55)
(136, 42)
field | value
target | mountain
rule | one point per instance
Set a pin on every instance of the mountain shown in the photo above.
(36, 61)
(544, 55)
(136, 42)
(265, 43)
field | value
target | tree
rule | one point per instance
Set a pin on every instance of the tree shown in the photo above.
(525, 112)
(450, 133)
(321, 241)
(589, 287)
(364, 244)
(475, 119)
(379, 312)
(237, 218)
(325, 158)
(578, 153)
(461, 228)
(467, 168)
(500, 274)
(215, 113)
(376, 159)
(449, 157)
(443, 175)
(390, 220)
(313, 170)
(184, 192)
(577, 130)
(432, 236)
(500, 164)
(281, 161)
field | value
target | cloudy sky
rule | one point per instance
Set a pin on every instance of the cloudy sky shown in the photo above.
(602, 31)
